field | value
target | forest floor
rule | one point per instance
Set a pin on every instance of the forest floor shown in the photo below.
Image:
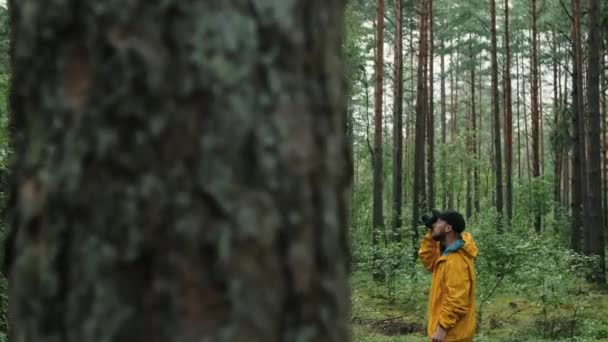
(378, 316)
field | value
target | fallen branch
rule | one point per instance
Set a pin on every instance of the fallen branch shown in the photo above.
(518, 311)
(385, 320)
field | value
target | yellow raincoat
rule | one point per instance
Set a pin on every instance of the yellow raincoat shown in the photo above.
(452, 296)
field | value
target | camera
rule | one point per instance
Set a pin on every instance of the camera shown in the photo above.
(430, 218)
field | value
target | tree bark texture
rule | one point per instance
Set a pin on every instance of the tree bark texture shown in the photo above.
(180, 172)
(595, 225)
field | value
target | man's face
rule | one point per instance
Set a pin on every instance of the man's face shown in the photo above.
(440, 230)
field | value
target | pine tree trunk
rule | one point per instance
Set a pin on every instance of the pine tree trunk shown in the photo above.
(471, 141)
(452, 120)
(508, 127)
(133, 217)
(431, 114)
(595, 221)
(578, 155)
(476, 171)
(378, 212)
(443, 129)
(418, 200)
(535, 115)
(526, 130)
(556, 144)
(604, 111)
(517, 92)
(568, 158)
(496, 115)
(398, 122)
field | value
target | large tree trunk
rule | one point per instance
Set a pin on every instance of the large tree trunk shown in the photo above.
(508, 126)
(595, 222)
(431, 114)
(578, 125)
(418, 200)
(378, 212)
(133, 217)
(496, 116)
(398, 122)
(535, 115)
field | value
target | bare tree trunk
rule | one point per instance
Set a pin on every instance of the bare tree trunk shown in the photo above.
(398, 122)
(133, 217)
(595, 221)
(567, 198)
(452, 120)
(603, 110)
(378, 212)
(418, 201)
(557, 150)
(526, 130)
(476, 171)
(431, 113)
(496, 115)
(471, 141)
(508, 112)
(578, 128)
(535, 115)
(443, 128)
(517, 92)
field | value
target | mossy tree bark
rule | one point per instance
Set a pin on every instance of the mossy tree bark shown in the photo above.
(180, 172)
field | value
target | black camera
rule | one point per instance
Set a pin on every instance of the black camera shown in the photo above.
(429, 219)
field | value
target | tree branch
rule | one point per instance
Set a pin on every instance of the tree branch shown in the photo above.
(561, 2)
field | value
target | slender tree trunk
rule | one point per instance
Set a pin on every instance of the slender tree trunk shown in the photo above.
(578, 155)
(378, 212)
(431, 113)
(517, 92)
(508, 127)
(526, 130)
(443, 128)
(556, 143)
(535, 115)
(496, 115)
(567, 155)
(541, 115)
(476, 171)
(491, 147)
(594, 214)
(566, 180)
(411, 118)
(418, 201)
(452, 120)
(398, 121)
(471, 141)
(605, 138)
(133, 217)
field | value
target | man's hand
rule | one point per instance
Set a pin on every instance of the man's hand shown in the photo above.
(439, 335)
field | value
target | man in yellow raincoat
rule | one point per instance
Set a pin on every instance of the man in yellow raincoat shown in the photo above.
(449, 254)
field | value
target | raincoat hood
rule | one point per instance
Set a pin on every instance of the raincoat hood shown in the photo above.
(470, 247)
